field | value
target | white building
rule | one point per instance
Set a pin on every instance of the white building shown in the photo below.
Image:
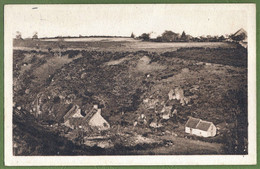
(200, 127)
(98, 121)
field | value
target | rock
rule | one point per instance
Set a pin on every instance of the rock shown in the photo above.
(135, 123)
(171, 95)
(145, 122)
(155, 125)
(185, 70)
(168, 132)
(27, 91)
(146, 100)
(186, 100)
(174, 112)
(61, 97)
(166, 116)
(179, 93)
(19, 107)
(83, 75)
(199, 63)
(182, 102)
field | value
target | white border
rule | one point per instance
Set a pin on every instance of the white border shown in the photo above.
(11, 160)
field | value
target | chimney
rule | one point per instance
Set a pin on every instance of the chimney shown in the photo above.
(95, 106)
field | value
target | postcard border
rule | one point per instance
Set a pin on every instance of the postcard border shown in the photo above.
(100, 2)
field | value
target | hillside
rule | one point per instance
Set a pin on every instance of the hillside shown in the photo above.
(131, 84)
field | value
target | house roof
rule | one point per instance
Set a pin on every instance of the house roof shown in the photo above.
(198, 124)
(239, 32)
(192, 122)
(203, 125)
(90, 114)
(71, 112)
(80, 120)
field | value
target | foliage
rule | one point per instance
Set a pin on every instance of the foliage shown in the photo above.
(145, 36)
(18, 35)
(132, 35)
(35, 35)
(184, 36)
(169, 36)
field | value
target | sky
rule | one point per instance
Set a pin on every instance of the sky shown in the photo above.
(122, 20)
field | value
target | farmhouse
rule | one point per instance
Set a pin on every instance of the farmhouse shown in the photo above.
(96, 120)
(93, 119)
(75, 111)
(200, 127)
(73, 117)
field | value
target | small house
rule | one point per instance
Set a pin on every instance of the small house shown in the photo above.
(97, 121)
(93, 119)
(200, 127)
(73, 117)
(74, 111)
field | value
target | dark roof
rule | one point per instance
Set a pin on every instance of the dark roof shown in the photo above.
(62, 110)
(198, 124)
(192, 122)
(239, 32)
(71, 112)
(90, 114)
(203, 125)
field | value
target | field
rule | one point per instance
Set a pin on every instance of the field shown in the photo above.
(113, 45)
(129, 79)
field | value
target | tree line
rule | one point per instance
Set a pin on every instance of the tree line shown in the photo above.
(170, 36)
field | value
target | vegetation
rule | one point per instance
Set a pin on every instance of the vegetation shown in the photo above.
(35, 35)
(18, 35)
(122, 81)
(132, 35)
(145, 36)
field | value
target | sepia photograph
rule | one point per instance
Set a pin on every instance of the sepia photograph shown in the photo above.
(158, 82)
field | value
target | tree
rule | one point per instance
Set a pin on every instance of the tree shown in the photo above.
(18, 35)
(158, 39)
(183, 36)
(221, 38)
(61, 44)
(169, 36)
(132, 35)
(145, 36)
(35, 35)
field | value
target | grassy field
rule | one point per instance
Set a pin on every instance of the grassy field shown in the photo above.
(128, 78)
(113, 45)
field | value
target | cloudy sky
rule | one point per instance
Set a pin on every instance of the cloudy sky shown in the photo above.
(122, 20)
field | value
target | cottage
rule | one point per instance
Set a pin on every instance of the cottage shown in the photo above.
(73, 117)
(93, 119)
(74, 111)
(200, 127)
(97, 121)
